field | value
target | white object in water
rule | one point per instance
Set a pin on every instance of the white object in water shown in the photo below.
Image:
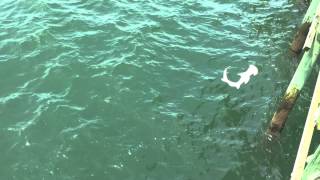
(244, 76)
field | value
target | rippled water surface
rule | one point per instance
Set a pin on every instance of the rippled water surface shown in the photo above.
(131, 89)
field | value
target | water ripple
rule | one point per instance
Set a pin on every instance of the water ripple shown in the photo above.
(115, 89)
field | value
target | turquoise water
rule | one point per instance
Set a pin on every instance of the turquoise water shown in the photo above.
(131, 90)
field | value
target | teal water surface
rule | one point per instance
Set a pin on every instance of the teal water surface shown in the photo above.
(131, 89)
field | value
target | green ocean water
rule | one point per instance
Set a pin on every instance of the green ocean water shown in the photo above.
(131, 89)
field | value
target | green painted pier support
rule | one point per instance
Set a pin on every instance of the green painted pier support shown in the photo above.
(306, 138)
(302, 32)
(302, 73)
(300, 77)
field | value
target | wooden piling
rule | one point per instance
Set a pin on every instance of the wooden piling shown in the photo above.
(301, 75)
(312, 30)
(301, 35)
(307, 134)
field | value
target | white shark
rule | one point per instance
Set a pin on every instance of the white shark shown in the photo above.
(244, 76)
